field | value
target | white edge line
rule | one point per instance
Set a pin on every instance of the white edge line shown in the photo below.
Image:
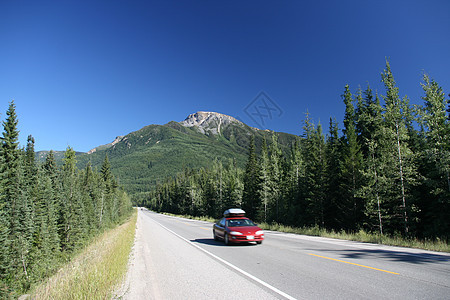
(231, 265)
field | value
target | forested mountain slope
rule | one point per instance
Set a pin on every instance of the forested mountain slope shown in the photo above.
(142, 158)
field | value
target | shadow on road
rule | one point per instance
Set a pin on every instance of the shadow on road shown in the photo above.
(212, 242)
(415, 258)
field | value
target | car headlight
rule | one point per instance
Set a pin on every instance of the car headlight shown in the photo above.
(235, 233)
(259, 232)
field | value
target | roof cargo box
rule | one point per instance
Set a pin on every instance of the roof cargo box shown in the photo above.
(234, 212)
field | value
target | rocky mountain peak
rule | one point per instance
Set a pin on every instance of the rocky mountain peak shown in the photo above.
(209, 121)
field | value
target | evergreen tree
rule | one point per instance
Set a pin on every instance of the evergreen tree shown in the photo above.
(294, 172)
(264, 182)
(51, 171)
(90, 197)
(250, 197)
(51, 207)
(366, 111)
(110, 201)
(73, 223)
(14, 204)
(4, 233)
(30, 164)
(313, 192)
(351, 165)
(275, 173)
(10, 161)
(218, 184)
(436, 157)
(373, 179)
(210, 194)
(46, 241)
(396, 139)
(333, 197)
(234, 185)
(22, 229)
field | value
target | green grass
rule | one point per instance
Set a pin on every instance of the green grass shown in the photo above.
(202, 218)
(362, 236)
(97, 271)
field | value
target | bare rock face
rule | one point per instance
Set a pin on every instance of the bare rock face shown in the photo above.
(117, 139)
(209, 121)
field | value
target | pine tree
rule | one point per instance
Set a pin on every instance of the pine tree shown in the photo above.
(275, 173)
(294, 173)
(14, 202)
(110, 200)
(351, 163)
(250, 197)
(396, 139)
(436, 157)
(29, 157)
(106, 173)
(234, 185)
(51, 208)
(371, 189)
(73, 223)
(366, 111)
(264, 183)
(209, 194)
(22, 229)
(51, 172)
(90, 197)
(333, 178)
(10, 160)
(218, 184)
(50, 165)
(4, 233)
(312, 197)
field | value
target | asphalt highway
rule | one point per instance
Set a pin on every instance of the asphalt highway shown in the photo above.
(175, 258)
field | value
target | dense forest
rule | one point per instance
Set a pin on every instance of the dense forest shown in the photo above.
(47, 212)
(387, 173)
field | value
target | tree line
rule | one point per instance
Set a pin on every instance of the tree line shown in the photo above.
(387, 173)
(48, 212)
(203, 192)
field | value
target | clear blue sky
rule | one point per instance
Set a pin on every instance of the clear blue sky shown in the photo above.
(83, 72)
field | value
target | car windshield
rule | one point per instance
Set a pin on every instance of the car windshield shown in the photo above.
(240, 223)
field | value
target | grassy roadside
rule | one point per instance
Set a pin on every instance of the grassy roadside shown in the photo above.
(202, 218)
(361, 236)
(96, 271)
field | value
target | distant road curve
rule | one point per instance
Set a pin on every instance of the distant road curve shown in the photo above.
(175, 258)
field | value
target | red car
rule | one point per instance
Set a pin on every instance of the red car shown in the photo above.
(234, 227)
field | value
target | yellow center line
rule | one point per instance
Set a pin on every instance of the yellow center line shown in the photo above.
(184, 223)
(354, 264)
(192, 225)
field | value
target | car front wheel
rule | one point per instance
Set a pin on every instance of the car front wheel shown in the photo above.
(226, 240)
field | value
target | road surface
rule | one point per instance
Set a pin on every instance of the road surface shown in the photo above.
(176, 258)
